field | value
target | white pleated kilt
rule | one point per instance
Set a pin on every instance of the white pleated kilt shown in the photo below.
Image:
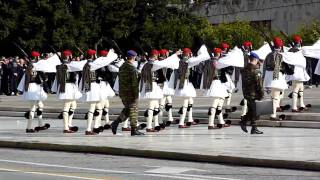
(300, 74)
(106, 90)
(217, 89)
(35, 93)
(168, 89)
(71, 92)
(156, 92)
(94, 95)
(187, 91)
(280, 83)
(229, 84)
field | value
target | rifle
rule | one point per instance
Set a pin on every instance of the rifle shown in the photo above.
(114, 43)
(22, 51)
(289, 40)
(97, 43)
(82, 53)
(138, 45)
(55, 51)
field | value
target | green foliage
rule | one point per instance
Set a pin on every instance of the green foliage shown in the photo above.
(311, 33)
(67, 24)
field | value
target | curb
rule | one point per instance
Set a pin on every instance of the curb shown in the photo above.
(296, 165)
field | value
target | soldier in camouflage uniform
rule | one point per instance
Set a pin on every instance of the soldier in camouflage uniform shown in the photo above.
(129, 94)
(252, 90)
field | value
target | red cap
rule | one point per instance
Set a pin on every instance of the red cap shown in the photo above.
(155, 52)
(163, 52)
(103, 53)
(247, 44)
(224, 46)
(296, 39)
(35, 54)
(217, 50)
(186, 51)
(277, 42)
(91, 52)
(66, 53)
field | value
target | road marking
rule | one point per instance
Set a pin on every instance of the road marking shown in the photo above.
(172, 170)
(168, 175)
(62, 166)
(49, 174)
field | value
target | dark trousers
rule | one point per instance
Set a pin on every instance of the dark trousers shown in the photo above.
(130, 111)
(236, 75)
(251, 114)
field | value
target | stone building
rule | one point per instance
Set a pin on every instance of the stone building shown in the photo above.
(285, 15)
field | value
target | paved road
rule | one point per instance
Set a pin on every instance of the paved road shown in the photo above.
(289, 144)
(44, 165)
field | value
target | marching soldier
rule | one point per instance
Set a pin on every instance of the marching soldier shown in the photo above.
(151, 77)
(105, 78)
(274, 78)
(32, 87)
(168, 91)
(183, 87)
(298, 78)
(226, 74)
(252, 91)
(66, 87)
(214, 89)
(129, 94)
(91, 91)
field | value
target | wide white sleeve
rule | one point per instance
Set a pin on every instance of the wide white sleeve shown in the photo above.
(103, 61)
(311, 51)
(233, 58)
(47, 65)
(294, 58)
(76, 65)
(263, 51)
(202, 55)
(171, 62)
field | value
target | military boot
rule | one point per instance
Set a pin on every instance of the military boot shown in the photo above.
(135, 132)
(254, 130)
(114, 126)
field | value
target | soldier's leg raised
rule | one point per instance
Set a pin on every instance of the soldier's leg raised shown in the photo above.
(275, 95)
(212, 112)
(301, 100)
(30, 116)
(183, 113)
(221, 122)
(40, 126)
(97, 128)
